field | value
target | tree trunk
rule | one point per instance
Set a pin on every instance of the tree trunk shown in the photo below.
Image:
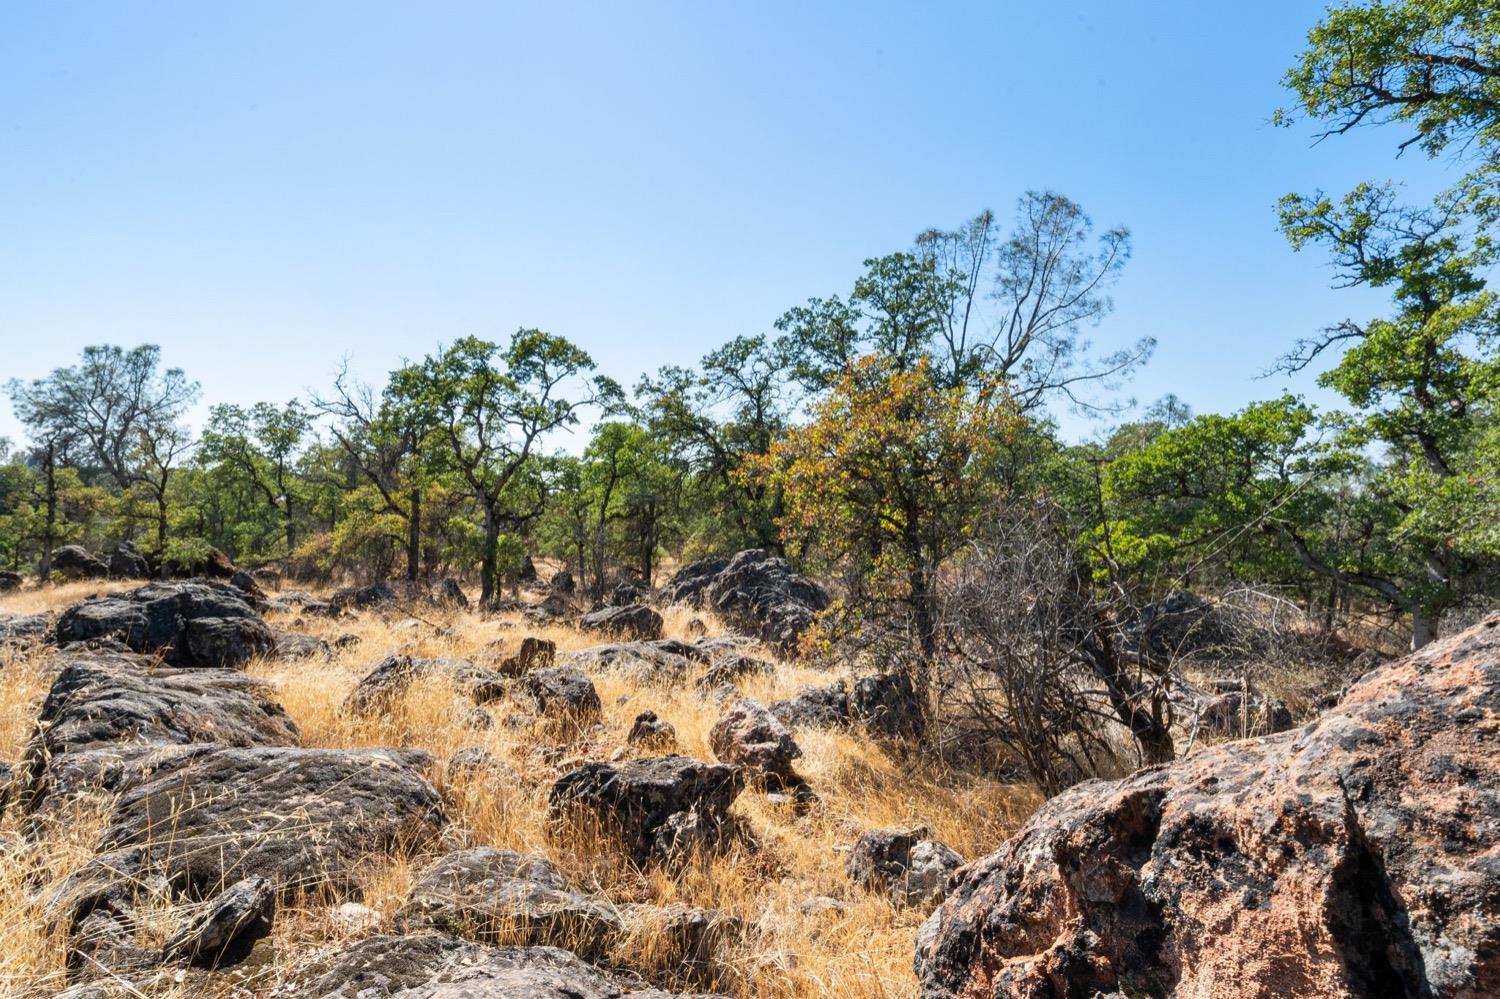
(161, 517)
(414, 536)
(49, 531)
(489, 566)
(1423, 628)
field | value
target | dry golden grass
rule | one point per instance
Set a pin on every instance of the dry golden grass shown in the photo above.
(863, 949)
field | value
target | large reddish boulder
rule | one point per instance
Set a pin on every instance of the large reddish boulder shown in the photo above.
(1357, 856)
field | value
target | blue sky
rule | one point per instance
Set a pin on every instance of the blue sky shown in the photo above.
(264, 189)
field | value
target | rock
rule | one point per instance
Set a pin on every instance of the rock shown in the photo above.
(664, 661)
(434, 966)
(552, 608)
(1226, 715)
(1351, 857)
(294, 645)
(888, 705)
(558, 691)
(77, 562)
(651, 733)
(246, 584)
(10, 581)
(304, 819)
(474, 763)
(906, 865)
(817, 905)
(1181, 625)
(224, 930)
(106, 717)
(129, 562)
(450, 594)
(729, 667)
(564, 583)
(498, 896)
(754, 592)
(377, 594)
(625, 593)
(213, 565)
(19, 628)
(528, 571)
(534, 653)
(748, 735)
(655, 807)
(686, 938)
(190, 624)
(814, 707)
(393, 676)
(631, 621)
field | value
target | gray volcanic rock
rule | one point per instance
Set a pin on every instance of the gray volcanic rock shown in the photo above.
(907, 865)
(105, 712)
(559, 691)
(226, 928)
(655, 807)
(815, 707)
(433, 966)
(749, 736)
(390, 678)
(77, 562)
(634, 621)
(301, 818)
(21, 628)
(188, 623)
(498, 895)
(755, 592)
(1354, 856)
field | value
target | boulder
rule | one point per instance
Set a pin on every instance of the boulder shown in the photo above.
(304, 819)
(887, 704)
(663, 661)
(449, 593)
(20, 628)
(435, 966)
(190, 624)
(77, 562)
(294, 645)
(499, 896)
(656, 808)
(9, 581)
(534, 653)
(558, 691)
(473, 763)
(630, 621)
(129, 562)
(247, 585)
(748, 735)
(224, 930)
(377, 594)
(564, 583)
(689, 939)
(814, 707)
(906, 865)
(107, 717)
(754, 592)
(652, 733)
(393, 676)
(1351, 857)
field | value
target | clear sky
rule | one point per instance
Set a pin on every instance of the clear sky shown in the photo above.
(265, 188)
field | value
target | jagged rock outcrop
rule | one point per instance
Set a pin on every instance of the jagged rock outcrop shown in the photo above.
(656, 808)
(24, 627)
(129, 562)
(633, 621)
(225, 928)
(749, 736)
(533, 653)
(500, 896)
(190, 624)
(908, 866)
(754, 592)
(652, 733)
(1352, 857)
(9, 581)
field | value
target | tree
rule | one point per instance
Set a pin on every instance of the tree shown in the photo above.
(1432, 68)
(120, 409)
(489, 407)
(886, 478)
(975, 302)
(261, 446)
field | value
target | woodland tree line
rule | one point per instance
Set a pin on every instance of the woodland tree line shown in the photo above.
(894, 434)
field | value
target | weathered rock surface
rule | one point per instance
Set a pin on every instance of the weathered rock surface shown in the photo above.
(499, 896)
(77, 562)
(434, 966)
(226, 927)
(9, 581)
(533, 653)
(24, 627)
(393, 676)
(377, 594)
(749, 736)
(656, 807)
(664, 661)
(300, 818)
(1355, 856)
(129, 562)
(558, 691)
(296, 645)
(755, 592)
(635, 621)
(887, 703)
(188, 623)
(107, 716)
(906, 865)
(815, 707)
(652, 733)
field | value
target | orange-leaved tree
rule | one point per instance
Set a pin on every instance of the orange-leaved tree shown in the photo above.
(885, 481)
